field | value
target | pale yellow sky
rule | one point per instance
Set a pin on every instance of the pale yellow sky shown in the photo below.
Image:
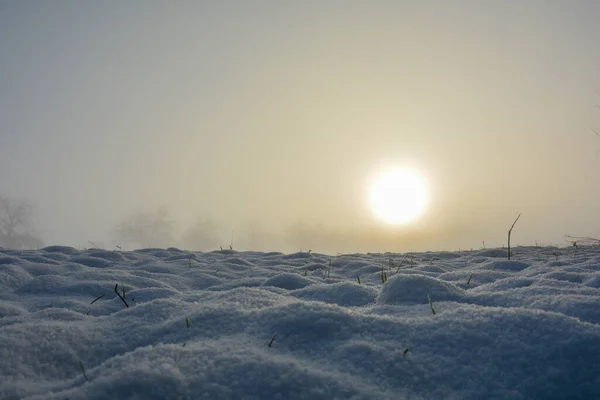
(271, 118)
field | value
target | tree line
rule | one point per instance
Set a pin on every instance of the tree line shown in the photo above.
(139, 230)
(16, 228)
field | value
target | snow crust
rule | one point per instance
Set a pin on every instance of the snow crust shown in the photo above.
(299, 326)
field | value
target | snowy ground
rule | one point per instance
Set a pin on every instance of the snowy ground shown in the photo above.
(522, 329)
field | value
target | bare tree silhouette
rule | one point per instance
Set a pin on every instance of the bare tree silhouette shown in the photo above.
(146, 229)
(16, 226)
(201, 236)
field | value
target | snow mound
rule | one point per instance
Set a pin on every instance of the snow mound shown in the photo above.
(296, 256)
(343, 294)
(556, 263)
(413, 289)
(61, 249)
(564, 276)
(511, 282)
(593, 281)
(495, 253)
(6, 260)
(10, 310)
(107, 255)
(40, 260)
(12, 277)
(288, 281)
(55, 284)
(505, 266)
(89, 261)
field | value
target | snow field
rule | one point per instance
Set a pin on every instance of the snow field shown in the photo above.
(522, 329)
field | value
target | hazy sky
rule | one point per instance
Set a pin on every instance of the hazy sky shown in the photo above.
(271, 118)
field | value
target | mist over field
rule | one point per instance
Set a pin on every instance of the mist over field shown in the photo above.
(316, 199)
(268, 122)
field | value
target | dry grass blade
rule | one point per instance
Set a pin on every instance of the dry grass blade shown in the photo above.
(83, 370)
(121, 297)
(98, 298)
(509, 232)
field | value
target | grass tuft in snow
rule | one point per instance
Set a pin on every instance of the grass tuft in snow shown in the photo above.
(469, 281)
(121, 297)
(83, 371)
(383, 276)
(509, 232)
(430, 304)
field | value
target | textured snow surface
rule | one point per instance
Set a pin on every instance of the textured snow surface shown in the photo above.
(522, 329)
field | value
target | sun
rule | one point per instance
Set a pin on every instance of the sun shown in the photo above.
(398, 196)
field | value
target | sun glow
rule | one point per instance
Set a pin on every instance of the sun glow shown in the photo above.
(398, 196)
